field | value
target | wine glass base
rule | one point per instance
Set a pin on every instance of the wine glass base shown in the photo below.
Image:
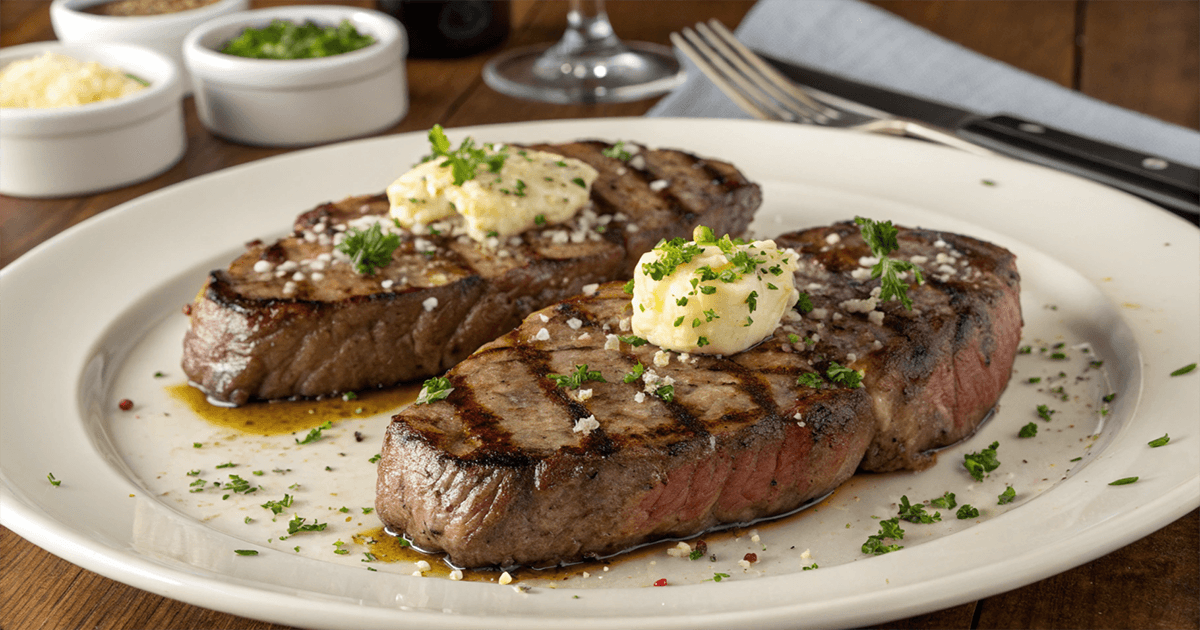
(643, 71)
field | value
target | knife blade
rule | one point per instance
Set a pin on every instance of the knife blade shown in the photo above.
(1174, 186)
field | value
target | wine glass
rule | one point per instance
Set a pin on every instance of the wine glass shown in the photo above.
(590, 64)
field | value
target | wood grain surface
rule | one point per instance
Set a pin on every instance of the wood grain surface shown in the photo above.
(1141, 55)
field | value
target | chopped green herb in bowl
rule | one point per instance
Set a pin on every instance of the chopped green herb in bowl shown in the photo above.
(287, 40)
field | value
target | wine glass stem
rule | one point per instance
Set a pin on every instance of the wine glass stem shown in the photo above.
(589, 32)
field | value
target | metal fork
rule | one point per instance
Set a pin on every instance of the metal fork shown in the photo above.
(763, 92)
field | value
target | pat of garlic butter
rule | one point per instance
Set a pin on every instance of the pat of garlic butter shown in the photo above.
(715, 300)
(531, 189)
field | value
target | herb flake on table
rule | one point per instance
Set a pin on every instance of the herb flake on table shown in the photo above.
(977, 464)
(54, 482)
(1162, 441)
(1124, 481)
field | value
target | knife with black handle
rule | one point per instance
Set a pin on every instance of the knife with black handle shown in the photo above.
(1174, 186)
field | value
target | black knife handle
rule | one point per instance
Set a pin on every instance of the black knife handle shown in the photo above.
(1174, 186)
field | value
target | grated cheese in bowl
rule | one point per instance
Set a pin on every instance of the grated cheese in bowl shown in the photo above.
(54, 80)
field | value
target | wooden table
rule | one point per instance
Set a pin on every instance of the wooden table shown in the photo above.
(1144, 56)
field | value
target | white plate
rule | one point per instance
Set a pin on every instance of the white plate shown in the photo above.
(88, 317)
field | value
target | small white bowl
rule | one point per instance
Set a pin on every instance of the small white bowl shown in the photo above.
(163, 33)
(66, 151)
(298, 102)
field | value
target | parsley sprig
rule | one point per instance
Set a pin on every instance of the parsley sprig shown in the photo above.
(982, 462)
(467, 158)
(433, 389)
(369, 249)
(881, 238)
(576, 379)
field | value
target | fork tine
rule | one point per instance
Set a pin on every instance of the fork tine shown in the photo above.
(742, 58)
(736, 87)
(770, 73)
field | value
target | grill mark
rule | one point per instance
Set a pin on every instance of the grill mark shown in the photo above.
(487, 427)
(718, 178)
(537, 361)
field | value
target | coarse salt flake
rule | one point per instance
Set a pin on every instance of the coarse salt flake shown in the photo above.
(662, 359)
(586, 425)
(574, 323)
(505, 578)
(429, 304)
(589, 289)
(542, 335)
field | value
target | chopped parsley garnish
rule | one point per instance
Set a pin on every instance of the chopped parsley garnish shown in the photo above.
(315, 434)
(633, 340)
(375, 458)
(672, 253)
(1044, 412)
(844, 375)
(916, 513)
(966, 511)
(666, 392)
(701, 342)
(539, 220)
(245, 552)
(946, 502)
(636, 374)
(629, 287)
(433, 389)
(278, 506)
(717, 577)
(752, 301)
(804, 304)
(812, 567)
(1123, 482)
(881, 238)
(466, 159)
(982, 462)
(887, 529)
(617, 152)
(1184, 370)
(1028, 431)
(810, 379)
(1153, 443)
(1007, 496)
(296, 525)
(369, 249)
(285, 39)
(54, 482)
(578, 181)
(578, 378)
(227, 465)
(239, 485)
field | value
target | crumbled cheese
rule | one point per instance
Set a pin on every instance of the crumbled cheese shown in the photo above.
(53, 80)
(586, 425)
(818, 313)
(859, 306)
(806, 554)
(868, 261)
(860, 273)
(876, 317)
(422, 565)
(456, 575)
(745, 564)
(662, 359)
(429, 304)
(680, 550)
(583, 395)
(612, 342)
(639, 397)
(574, 323)
(505, 578)
(659, 185)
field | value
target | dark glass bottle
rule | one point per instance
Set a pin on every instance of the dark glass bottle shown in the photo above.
(445, 29)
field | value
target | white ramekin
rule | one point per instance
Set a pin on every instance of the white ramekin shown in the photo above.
(64, 151)
(299, 102)
(163, 33)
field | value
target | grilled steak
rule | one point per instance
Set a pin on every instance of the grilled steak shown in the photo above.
(292, 318)
(510, 469)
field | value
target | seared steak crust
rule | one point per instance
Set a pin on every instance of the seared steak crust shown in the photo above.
(497, 474)
(935, 372)
(309, 326)
(503, 471)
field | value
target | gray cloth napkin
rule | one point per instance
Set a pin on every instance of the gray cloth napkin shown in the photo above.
(862, 42)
